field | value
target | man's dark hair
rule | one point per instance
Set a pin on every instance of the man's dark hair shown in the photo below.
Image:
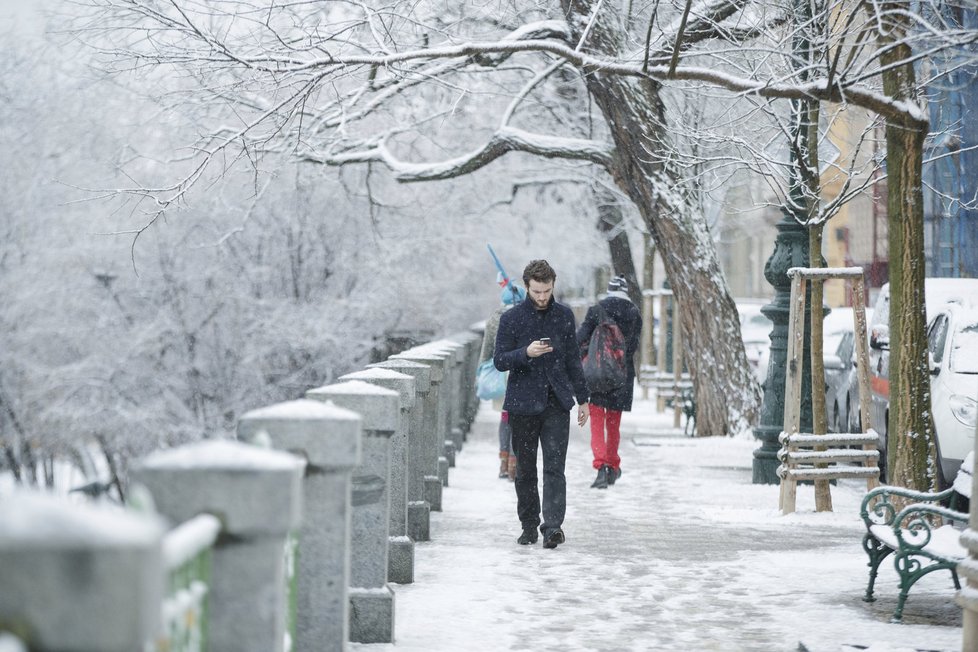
(539, 271)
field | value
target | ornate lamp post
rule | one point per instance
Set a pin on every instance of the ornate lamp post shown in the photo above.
(790, 250)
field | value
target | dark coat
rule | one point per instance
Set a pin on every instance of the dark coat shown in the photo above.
(529, 378)
(629, 320)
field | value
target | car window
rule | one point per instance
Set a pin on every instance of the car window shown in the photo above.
(845, 347)
(964, 349)
(936, 338)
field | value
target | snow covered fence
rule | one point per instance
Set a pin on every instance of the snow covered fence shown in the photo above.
(454, 433)
(444, 449)
(468, 402)
(400, 553)
(256, 495)
(371, 599)
(187, 559)
(418, 509)
(431, 409)
(56, 555)
(246, 503)
(328, 437)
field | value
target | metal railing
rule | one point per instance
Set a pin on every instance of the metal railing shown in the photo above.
(187, 559)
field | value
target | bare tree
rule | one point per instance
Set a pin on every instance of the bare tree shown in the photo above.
(333, 86)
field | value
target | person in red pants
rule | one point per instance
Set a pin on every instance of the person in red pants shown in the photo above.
(606, 407)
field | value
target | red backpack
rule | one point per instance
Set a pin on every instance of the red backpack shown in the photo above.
(604, 362)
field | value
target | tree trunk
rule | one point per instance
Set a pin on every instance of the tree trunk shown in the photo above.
(823, 493)
(610, 223)
(727, 396)
(910, 428)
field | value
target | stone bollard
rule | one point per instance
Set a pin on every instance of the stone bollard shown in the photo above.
(400, 551)
(451, 437)
(419, 511)
(452, 429)
(371, 599)
(328, 438)
(431, 409)
(78, 577)
(469, 402)
(256, 494)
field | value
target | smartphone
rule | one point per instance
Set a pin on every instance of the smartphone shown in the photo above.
(545, 341)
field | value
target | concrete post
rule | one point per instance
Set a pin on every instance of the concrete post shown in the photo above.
(453, 431)
(419, 511)
(256, 494)
(371, 599)
(400, 551)
(479, 330)
(433, 435)
(474, 343)
(77, 577)
(328, 438)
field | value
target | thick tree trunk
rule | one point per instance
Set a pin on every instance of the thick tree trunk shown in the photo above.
(727, 396)
(910, 429)
(610, 223)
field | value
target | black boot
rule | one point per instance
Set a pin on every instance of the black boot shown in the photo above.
(529, 536)
(601, 482)
(613, 474)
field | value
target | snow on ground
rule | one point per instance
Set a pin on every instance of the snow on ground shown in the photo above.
(683, 553)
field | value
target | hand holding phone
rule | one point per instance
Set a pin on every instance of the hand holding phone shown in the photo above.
(539, 347)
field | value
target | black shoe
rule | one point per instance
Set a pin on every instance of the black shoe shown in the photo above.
(601, 482)
(529, 537)
(613, 474)
(555, 539)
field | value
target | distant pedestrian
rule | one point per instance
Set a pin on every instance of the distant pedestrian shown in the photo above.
(606, 406)
(536, 344)
(512, 295)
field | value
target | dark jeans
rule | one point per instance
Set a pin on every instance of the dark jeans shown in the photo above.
(550, 431)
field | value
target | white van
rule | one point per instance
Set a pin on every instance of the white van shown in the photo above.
(937, 293)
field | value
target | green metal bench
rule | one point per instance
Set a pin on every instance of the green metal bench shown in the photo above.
(920, 536)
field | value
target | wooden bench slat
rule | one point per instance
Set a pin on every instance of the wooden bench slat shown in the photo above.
(833, 455)
(834, 439)
(831, 473)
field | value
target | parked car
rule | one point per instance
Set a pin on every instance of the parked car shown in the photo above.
(853, 418)
(937, 293)
(952, 345)
(755, 329)
(837, 356)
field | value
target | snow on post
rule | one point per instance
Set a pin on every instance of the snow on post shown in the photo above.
(439, 362)
(418, 509)
(445, 447)
(329, 438)
(56, 555)
(468, 401)
(371, 599)
(400, 559)
(256, 494)
(455, 396)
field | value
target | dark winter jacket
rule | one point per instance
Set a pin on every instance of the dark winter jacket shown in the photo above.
(529, 378)
(629, 320)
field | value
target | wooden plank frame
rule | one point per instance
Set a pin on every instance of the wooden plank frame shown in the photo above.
(803, 448)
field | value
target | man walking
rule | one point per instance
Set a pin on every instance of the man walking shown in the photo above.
(536, 344)
(606, 406)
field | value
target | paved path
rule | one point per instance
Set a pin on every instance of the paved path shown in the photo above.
(683, 553)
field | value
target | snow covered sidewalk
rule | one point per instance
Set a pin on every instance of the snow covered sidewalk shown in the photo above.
(683, 553)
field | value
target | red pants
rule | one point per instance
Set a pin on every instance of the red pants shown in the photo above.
(605, 435)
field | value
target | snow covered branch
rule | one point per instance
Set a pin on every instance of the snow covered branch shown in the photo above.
(506, 139)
